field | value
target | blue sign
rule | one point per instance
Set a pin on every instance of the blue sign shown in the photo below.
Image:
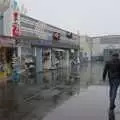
(42, 42)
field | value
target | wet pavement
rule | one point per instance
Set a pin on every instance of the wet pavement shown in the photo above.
(63, 94)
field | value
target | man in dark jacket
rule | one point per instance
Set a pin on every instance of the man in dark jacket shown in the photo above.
(112, 68)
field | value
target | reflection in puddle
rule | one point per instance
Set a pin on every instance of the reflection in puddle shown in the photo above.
(48, 90)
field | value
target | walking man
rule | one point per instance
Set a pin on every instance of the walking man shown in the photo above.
(112, 69)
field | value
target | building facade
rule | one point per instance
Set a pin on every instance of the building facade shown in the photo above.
(51, 46)
(54, 43)
(106, 45)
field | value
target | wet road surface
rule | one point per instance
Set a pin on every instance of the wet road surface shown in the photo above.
(89, 105)
(76, 93)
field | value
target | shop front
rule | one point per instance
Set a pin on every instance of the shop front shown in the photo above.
(58, 57)
(24, 49)
(62, 54)
(7, 50)
(46, 58)
(42, 52)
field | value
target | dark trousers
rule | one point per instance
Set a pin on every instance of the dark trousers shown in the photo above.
(114, 84)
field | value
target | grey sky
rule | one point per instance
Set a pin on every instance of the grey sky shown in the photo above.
(92, 17)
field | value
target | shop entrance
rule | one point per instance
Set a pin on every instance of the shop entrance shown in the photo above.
(6, 54)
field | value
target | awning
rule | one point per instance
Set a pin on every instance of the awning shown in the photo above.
(7, 42)
(59, 50)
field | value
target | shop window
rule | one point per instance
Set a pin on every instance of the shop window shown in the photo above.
(46, 55)
(60, 55)
(6, 54)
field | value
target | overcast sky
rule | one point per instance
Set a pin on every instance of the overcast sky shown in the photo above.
(91, 17)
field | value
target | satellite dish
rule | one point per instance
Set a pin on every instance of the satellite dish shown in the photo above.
(4, 5)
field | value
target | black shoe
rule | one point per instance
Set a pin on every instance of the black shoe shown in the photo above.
(111, 115)
(112, 107)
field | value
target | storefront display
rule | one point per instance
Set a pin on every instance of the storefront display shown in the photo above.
(5, 61)
(46, 58)
(58, 57)
(30, 66)
(6, 52)
(15, 68)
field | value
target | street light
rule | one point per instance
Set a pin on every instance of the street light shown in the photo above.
(90, 43)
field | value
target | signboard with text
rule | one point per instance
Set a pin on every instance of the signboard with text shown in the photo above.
(16, 25)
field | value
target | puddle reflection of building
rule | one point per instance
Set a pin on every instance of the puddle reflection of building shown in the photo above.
(75, 71)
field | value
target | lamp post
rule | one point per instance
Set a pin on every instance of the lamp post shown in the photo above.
(90, 43)
(91, 48)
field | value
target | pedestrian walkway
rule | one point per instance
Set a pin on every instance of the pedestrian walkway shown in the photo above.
(90, 105)
(58, 95)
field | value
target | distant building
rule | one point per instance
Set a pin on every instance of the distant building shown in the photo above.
(85, 47)
(106, 45)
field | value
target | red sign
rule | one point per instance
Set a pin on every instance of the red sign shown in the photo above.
(56, 36)
(15, 30)
(15, 26)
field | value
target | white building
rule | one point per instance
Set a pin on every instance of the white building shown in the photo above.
(105, 45)
(85, 47)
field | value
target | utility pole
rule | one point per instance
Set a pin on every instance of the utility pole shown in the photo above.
(79, 43)
(90, 42)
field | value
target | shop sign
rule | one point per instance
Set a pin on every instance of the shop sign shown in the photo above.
(16, 25)
(15, 30)
(56, 36)
(69, 35)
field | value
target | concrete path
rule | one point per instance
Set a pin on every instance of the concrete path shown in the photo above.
(89, 105)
